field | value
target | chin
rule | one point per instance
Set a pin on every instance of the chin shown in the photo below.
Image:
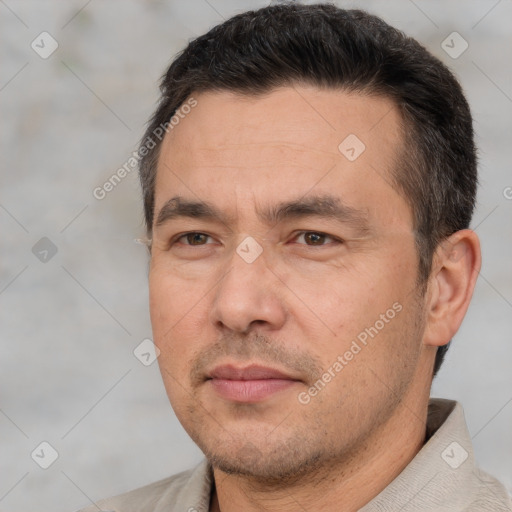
(267, 468)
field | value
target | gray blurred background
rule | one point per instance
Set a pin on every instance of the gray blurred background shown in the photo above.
(73, 284)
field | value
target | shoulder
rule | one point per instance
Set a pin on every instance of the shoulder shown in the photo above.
(189, 488)
(489, 494)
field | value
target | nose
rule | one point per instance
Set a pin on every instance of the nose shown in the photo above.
(249, 294)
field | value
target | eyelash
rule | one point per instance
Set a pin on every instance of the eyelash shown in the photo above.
(183, 235)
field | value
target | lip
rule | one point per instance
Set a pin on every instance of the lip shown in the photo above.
(252, 372)
(250, 384)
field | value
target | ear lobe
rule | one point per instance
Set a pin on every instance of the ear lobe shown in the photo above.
(455, 269)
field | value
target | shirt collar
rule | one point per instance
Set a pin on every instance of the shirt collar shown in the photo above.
(442, 474)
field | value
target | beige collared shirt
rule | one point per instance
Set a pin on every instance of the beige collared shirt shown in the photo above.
(442, 477)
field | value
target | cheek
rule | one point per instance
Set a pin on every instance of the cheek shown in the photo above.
(177, 311)
(170, 296)
(356, 306)
(159, 307)
(165, 308)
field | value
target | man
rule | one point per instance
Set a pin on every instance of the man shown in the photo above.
(309, 178)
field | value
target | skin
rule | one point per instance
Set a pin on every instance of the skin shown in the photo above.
(302, 302)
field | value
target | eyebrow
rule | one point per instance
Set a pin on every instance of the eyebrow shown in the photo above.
(323, 206)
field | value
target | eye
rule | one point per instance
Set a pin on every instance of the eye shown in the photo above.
(193, 238)
(316, 238)
(311, 238)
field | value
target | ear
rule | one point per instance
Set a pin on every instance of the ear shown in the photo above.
(455, 269)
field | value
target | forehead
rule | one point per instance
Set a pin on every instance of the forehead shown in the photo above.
(290, 140)
(316, 118)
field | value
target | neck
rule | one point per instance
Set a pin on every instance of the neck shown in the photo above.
(348, 484)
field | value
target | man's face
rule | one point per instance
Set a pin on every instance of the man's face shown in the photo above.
(324, 289)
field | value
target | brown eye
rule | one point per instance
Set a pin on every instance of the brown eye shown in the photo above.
(194, 238)
(315, 238)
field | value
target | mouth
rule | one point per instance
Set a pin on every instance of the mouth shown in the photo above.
(250, 384)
